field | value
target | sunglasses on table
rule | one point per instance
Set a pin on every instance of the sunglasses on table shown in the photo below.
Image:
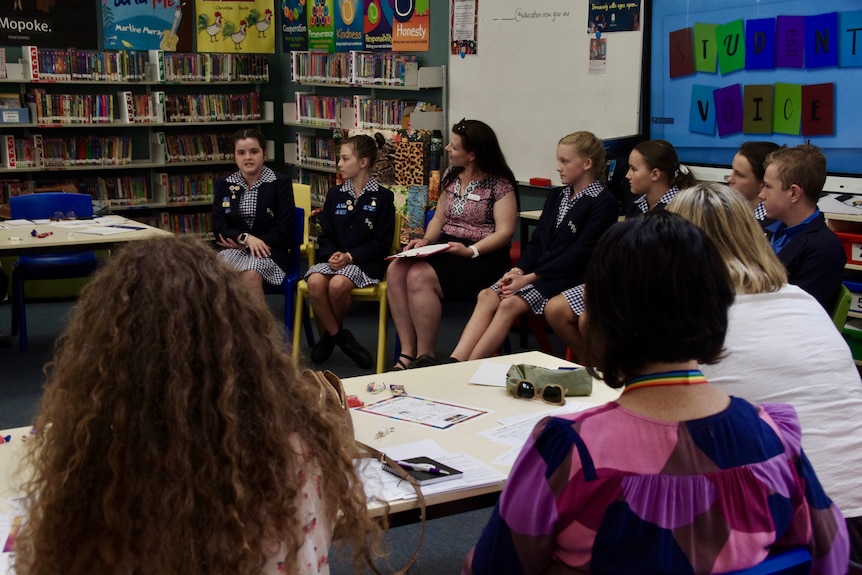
(551, 393)
(60, 216)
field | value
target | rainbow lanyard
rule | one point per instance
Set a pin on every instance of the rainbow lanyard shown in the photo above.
(682, 377)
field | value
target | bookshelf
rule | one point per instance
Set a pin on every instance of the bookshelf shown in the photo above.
(147, 133)
(342, 91)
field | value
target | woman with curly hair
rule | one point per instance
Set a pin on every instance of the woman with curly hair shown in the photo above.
(175, 435)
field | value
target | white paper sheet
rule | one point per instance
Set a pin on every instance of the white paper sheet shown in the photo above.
(491, 373)
(516, 429)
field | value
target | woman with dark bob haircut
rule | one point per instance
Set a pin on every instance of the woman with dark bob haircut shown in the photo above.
(175, 435)
(675, 476)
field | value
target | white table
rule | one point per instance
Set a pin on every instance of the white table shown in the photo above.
(17, 240)
(446, 383)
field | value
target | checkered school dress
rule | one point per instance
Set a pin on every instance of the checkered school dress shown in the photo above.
(529, 293)
(351, 271)
(242, 260)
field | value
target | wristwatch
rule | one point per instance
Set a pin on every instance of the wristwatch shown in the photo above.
(243, 237)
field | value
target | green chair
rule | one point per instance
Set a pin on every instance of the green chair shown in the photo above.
(842, 307)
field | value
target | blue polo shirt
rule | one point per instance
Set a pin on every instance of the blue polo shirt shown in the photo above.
(781, 234)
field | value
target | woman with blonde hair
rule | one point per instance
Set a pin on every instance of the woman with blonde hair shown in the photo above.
(175, 435)
(782, 347)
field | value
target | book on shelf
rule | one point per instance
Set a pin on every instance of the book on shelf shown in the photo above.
(439, 472)
(3, 73)
(8, 158)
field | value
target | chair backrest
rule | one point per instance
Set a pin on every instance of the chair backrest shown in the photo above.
(396, 239)
(44, 205)
(792, 562)
(842, 307)
(302, 199)
(293, 260)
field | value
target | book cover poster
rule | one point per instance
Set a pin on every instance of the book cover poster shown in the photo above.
(410, 27)
(378, 24)
(294, 25)
(164, 25)
(49, 23)
(239, 26)
(349, 27)
(321, 25)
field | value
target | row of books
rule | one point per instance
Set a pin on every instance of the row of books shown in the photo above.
(141, 108)
(195, 147)
(320, 110)
(316, 150)
(93, 65)
(177, 67)
(353, 68)
(48, 64)
(212, 107)
(319, 184)
(198, 224)
(37, 151)
(71, 108)
(15, 187)
(117, 192)
(382, 114)
(187, 188)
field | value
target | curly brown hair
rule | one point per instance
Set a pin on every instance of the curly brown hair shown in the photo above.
(163, 438)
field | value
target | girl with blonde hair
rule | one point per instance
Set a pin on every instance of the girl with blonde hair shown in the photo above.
(572, 221)
(781, 346)
(175, 435)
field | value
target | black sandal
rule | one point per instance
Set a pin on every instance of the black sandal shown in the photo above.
(400, 365)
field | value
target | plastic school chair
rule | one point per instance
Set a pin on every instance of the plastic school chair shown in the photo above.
(371, 293)
(292, 275)
(302, 199)
(792, 562)
(40, 206)
(842, 307)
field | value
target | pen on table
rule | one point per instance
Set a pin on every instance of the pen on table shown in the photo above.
(428, 468)
(36, 234)
(126, 227)
(566, 368)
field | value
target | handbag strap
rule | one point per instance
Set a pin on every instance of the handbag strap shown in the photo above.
(373, 453)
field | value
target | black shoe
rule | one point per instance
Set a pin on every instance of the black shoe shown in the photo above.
(354, 350)
(323, 349)
(424, 360)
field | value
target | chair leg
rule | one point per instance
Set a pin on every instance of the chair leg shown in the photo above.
(289, 305)
(382, 319)
(297, 319)
(19, 312)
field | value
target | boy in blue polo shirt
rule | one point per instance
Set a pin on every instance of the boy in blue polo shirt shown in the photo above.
(811, 252)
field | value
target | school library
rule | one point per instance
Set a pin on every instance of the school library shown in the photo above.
(349, 286)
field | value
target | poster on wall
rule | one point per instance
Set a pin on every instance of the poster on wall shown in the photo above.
(239, 26)
(464, 26)
(410, 26)
(321, 25)
(349, 26)
(164, 25)
(378, 24)
(614, 17)
(294, 25)
(49, 23)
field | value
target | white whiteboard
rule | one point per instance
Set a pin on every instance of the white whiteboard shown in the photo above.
(530, 80)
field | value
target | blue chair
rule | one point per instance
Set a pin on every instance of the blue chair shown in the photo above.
(44, 205)
(293, 274)
(793, 562)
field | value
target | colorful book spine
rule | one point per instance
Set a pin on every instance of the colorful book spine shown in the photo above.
(9, 159)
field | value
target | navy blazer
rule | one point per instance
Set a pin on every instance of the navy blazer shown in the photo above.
(559, 254)
(273, 219)
(815, 260)
(366, 230)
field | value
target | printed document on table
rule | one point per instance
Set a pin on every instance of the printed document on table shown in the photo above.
(422, 411)
(104, 231)
(516, 429)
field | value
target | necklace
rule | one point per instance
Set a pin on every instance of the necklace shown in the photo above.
(681, 377)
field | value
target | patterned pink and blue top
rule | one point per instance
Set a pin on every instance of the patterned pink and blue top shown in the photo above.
(608, 490)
